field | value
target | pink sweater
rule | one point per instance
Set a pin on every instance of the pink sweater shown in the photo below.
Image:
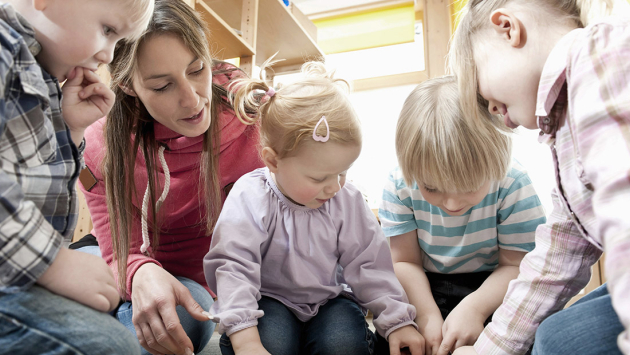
(184, 240)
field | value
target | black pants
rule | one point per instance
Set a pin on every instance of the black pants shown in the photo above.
(450, 289)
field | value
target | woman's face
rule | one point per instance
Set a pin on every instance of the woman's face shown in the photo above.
(174, 85)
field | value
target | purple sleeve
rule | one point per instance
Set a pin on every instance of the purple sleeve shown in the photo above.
(232, 266)
(367, 265)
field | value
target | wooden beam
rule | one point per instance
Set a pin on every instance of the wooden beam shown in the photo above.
(249, 30)
(437, 33)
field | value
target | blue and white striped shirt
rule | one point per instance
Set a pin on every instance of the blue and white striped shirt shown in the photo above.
(506, 218)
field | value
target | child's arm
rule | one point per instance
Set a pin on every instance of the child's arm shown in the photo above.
(247, 341)
(85, 100)
(552, 273)
(407, 258)
(466, 321)
(233, 265)
(368, 268)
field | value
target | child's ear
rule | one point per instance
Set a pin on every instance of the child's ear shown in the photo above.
(127, 90)
(270, 158)
(508, 26)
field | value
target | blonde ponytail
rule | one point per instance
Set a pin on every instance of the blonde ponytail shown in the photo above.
(288, 117)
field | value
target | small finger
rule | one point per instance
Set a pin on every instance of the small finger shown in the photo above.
(446, 346)
(394, 348)
(416, 348)
(75, 77)
(91, 76)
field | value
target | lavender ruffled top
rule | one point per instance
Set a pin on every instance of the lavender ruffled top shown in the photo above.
(266, 245)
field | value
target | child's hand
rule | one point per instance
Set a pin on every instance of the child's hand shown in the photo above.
(431, 329)
(465, 350)
(462, 327)
(85, 100)
(82, 277)
(258, 350)
(406, 336)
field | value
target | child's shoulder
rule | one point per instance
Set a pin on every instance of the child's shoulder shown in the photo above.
(252, 187)
(11, 32)
(516, 172)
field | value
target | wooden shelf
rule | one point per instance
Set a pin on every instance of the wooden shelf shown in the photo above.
(278, 30)
(224, 41)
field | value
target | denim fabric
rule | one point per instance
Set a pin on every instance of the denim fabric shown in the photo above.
(450, 289)
(37, 321)
(198, 332)
(589, 326)
(338, 328)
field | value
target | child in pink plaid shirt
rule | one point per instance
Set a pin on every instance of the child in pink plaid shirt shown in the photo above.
(534, 64)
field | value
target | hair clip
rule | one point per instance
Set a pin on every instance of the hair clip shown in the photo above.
(271, 92)
(318, 137)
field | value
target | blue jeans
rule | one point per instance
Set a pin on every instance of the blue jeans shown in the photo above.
(338, 328)
(449, 290)
(198, 332)
(37, 321)
(589, 326)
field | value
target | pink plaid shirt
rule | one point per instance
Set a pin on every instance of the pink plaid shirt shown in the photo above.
(584, 115)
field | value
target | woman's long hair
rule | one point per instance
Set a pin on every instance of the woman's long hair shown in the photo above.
(129, 128)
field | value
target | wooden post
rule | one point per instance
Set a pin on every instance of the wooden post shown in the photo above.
(249, 29)
(437, 33)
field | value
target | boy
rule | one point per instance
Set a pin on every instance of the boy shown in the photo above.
(50, 297)
(460, 216)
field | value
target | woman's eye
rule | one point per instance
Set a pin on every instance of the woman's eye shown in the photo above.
(161, 89)
(196, 72)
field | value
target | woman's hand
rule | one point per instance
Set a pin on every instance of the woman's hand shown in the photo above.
(85, 100)
(406, 336)
(431, 329)
(155, 294)
(462, 327)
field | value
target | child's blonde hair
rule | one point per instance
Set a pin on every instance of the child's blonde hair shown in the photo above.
(289, 116)
(438, 147)
(473, 19)
(142, 11)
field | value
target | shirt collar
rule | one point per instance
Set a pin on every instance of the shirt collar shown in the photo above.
(21, 26)
(552, 80)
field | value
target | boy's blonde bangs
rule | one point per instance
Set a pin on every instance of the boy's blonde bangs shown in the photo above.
(436, 146)
(142, 12)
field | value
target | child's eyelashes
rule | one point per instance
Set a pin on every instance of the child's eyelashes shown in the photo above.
(318, 180)
(108, 30)
(430, 189)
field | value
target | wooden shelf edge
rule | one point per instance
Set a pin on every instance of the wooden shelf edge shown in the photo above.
(296, 45)
(231, 45)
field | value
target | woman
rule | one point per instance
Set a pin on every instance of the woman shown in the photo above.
(153, 211)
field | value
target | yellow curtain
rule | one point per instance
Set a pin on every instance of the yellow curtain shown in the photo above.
(367, 29)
